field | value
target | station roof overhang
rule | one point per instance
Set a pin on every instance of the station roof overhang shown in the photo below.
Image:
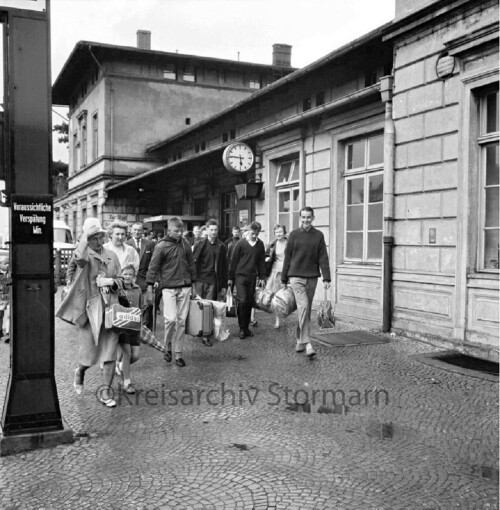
(158, 178)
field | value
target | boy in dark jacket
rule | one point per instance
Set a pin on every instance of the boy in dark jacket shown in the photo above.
(210, 258)
(173, 265)
(247, 264)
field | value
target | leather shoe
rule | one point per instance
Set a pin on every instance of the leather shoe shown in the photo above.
(248, 332)
(242, 334)
(168, 356)
(207, 342)
(180, 362)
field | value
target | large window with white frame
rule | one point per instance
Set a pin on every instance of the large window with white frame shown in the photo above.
(488, 141)
(364, 194)
(288, 191)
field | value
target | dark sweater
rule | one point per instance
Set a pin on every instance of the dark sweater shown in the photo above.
(248, 260)
(305, 254)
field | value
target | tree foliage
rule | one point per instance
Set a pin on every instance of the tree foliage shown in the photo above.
(63, 130)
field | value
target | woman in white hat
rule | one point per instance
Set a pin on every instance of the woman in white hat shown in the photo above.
(96, 280)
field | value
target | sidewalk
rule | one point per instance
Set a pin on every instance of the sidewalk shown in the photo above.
(225, 431)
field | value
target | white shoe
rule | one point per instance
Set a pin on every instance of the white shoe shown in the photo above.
(300, 347)
(118, 370)
(310, 351)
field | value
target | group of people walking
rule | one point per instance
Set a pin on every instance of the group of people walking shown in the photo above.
(181, 267)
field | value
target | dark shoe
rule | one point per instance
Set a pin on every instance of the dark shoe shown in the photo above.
(242, 334)
(168, 356)
(180, 362)
(254, 323)
(6, 339)
(207, 342)
(248, 332)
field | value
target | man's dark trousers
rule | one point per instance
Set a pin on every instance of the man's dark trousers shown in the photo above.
(245, 291)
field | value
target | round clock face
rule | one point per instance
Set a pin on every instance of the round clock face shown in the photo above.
(238, 157)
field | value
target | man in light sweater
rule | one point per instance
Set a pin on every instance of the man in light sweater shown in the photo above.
(305, 255)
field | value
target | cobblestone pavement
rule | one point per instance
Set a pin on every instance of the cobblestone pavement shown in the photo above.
(226, 431)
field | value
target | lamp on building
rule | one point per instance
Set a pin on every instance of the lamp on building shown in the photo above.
(249, 190)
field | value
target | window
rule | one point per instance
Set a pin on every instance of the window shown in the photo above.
(254, 82)
(76, 146)
(199, 206)
(169, 72)
(488, 163)
(188, 74)
(177, 208)
(287, 187)
(364, 194)
(95, 136)
(84, 144)
(306, 104)
(320, 98)
(288, 172)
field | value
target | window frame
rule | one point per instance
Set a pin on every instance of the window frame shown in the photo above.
(484, 140)
(95, 135)
(289, 186)
(366, 171)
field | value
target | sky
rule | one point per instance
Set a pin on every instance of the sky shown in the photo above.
(228, 29)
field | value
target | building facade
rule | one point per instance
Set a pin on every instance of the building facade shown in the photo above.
(446, 211)
(121, 99)
(393, 139)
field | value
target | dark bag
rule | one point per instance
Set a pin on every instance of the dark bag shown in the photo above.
(326, 320)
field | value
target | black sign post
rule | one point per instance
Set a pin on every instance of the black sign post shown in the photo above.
(31, 415)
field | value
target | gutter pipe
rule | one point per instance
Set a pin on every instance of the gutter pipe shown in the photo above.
(386, 91)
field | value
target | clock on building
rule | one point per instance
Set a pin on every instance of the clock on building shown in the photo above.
(238, 157)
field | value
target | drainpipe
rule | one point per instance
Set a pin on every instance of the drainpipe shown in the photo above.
(386, 85)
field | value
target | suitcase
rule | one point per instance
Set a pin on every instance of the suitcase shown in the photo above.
(200, 319)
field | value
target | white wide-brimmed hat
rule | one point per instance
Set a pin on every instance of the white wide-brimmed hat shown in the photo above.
(92, 226)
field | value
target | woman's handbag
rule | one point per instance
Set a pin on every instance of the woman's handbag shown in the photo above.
(283, 303)
(230, 304)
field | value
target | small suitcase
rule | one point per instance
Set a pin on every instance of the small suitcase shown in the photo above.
(200, 319)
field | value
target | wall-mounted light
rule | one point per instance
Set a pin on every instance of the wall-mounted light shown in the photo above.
(141, 190)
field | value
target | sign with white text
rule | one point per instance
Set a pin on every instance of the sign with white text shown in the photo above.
(31, 219)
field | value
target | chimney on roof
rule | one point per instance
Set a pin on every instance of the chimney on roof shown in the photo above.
(144, 39)
(282, 55)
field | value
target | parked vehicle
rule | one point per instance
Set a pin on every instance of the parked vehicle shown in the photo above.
(63, 249)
